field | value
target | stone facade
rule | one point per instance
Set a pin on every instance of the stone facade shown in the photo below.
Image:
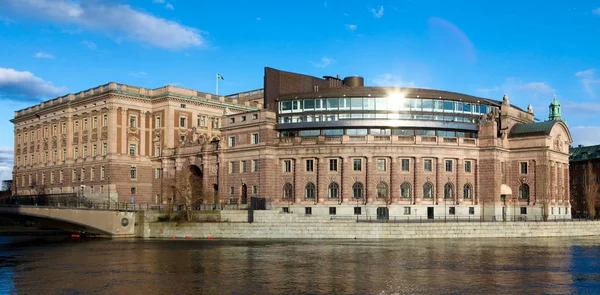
(424, 153)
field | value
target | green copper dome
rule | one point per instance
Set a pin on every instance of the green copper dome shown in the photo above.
(555, 110)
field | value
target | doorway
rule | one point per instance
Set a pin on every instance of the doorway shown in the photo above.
(430, 213)
(382, 213)
(244, 193)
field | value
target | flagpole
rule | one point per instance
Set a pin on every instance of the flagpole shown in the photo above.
(217, 77)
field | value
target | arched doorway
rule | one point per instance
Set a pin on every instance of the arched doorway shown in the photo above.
(195, 182)
(244, 193)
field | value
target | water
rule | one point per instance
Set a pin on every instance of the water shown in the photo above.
(482, 266)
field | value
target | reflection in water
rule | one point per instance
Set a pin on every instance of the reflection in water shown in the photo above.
(492, 266)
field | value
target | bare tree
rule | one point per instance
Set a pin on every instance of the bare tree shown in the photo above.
(590, 189)
(184, 188)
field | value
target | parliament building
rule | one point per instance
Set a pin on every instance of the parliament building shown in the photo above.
(320, 146)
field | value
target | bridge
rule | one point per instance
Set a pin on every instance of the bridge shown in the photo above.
(86, 221)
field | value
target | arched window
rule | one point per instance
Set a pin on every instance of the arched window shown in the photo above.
(333, 191)
(428, 190)
(448, 191)
(287, 191)
(524, 192)
(382, 190)
(468, 191)
(309, 190)
(405, 190)
(357, 190)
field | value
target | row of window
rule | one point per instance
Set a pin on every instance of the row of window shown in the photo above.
(54, 156)
(215, 122)
(377, 131)
(243, 165)
(243, 118)
(333, 191)
(34, 135)
(382, 104)
(253, 139)
(384, 116)
(81, 177)
(381, 164)
(407, 210)
(580, 179)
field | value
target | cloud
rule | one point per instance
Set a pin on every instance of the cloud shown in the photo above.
(169, 6)
(116, 20)
(389, 79)
(351, 27)
(325, 62)
(596, 11)
(42, 54)
(582, 135)
(90, 45)
(25, 86)
(378, 13)
(6, 163)
(539, 87)
(588, 80)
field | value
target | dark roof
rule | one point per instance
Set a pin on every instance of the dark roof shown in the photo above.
(585, 153)
(532, 129)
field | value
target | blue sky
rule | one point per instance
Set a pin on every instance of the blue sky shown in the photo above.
(529, 50)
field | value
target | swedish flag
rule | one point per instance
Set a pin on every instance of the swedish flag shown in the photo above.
(219, 77)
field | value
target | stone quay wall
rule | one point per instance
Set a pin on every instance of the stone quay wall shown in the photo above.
(275, 225)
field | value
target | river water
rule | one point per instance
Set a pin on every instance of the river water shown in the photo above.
(58, 265)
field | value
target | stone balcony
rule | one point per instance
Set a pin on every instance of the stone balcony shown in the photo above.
(378, 139)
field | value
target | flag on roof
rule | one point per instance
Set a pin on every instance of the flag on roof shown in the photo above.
(220, 77)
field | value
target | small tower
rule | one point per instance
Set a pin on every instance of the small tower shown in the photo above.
(555, 110)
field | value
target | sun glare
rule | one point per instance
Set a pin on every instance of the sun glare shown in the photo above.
(395, 100)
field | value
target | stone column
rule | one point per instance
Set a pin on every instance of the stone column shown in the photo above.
(143, 134)
(124, 127)
(439, 182)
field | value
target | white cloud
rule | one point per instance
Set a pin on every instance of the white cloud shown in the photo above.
(116, 20)
(351, 27)
(539, 87)
(42, 54)
(585, 135)
(588, 80)
(169, 6)
(325, 62)
(389, 79)
(25, 86)
(89, 44)
(596, 11)
(378, 13)
(6, 163)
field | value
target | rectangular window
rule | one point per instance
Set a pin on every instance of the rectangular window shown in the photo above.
(243, 118)
(82, 175)
(104, 120)
(93, 173)
(308, 210)
(46, 132)
(427, 165)
(231, 120)
(255, 190)
(182, 122)
(85, 151)
(102, 172)
(254, 116)
(287, 166)
(523, 167)
(95, 150)
(76, 152)
(133, 190)
(61, 176)
(357, 164)
(357, 210)
(132, 122)
(243, 166)
(231, 167)
(452, 211)
(231, 190)
(333, 165)
(132, 173)
(381, 164)
(64, 154)
(51, 176)
(157, 173)
(95, 123)
(157, 151)
(255, 138)
(332, 210)
(468, 166)
(471, 210)
(405, 165)
(254, 165)
(448, 165)
(309, 166)
(523, 210)
(406, 210)
(157, 122)
(104, 148)
(231, 141)
(85, 124)
(76, 129)
(43, 177)
(132, 149)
